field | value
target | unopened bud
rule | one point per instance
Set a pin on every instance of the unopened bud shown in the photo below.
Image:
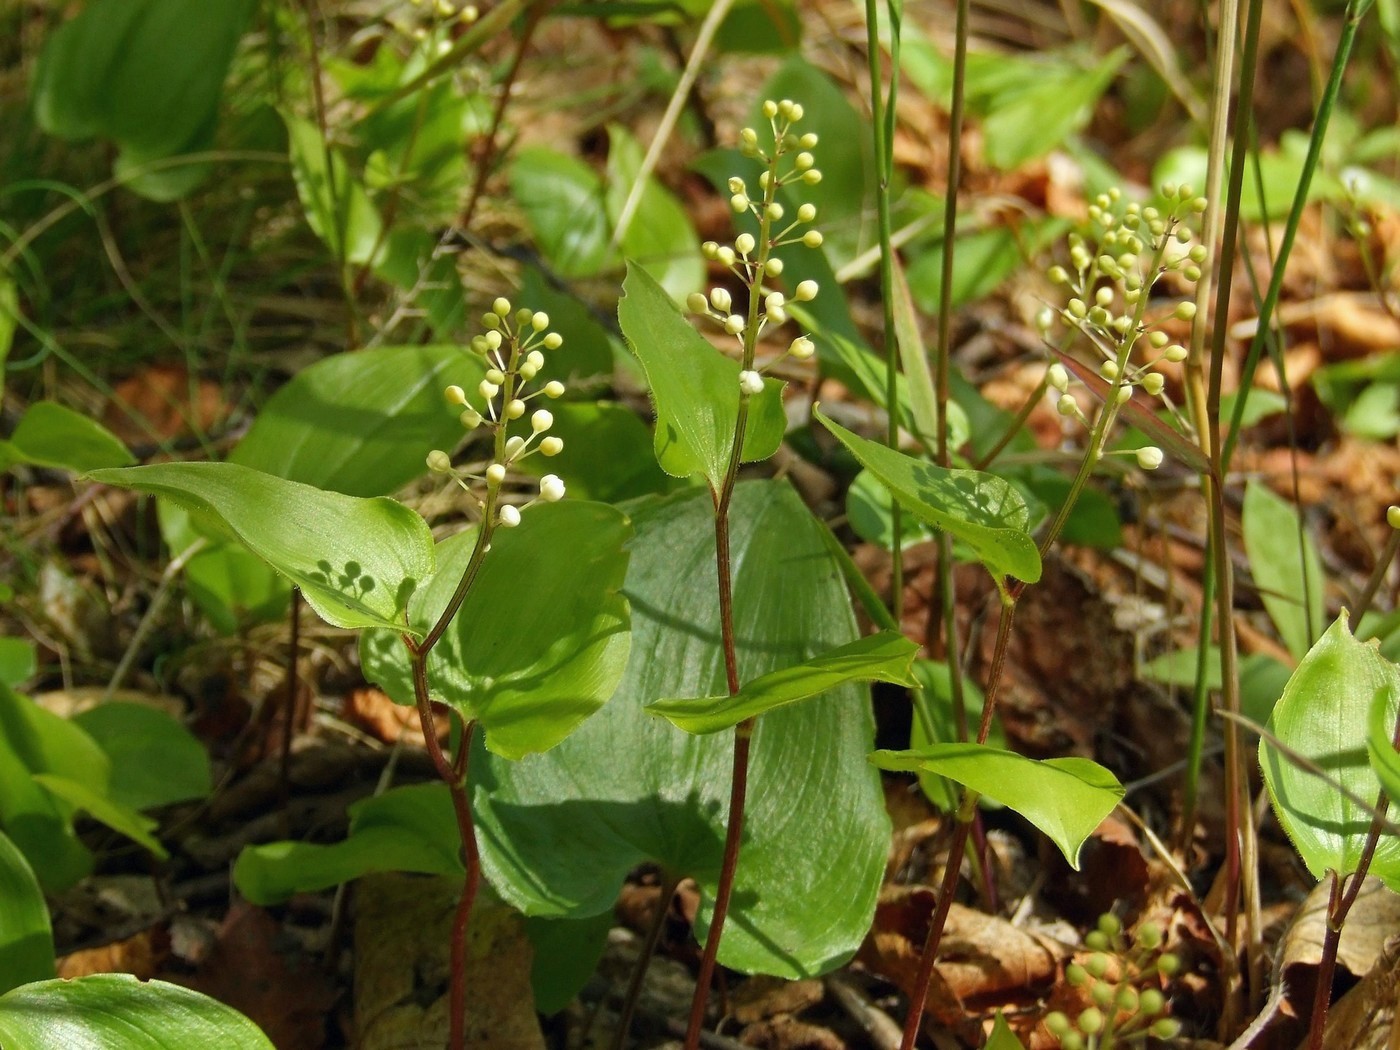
(455, 395)
(495, 474)
(551, 446)
(805, 291)
(541, 420)
(551, 488)
(508, 517)
(439, 462)
(802, 348)
(750, 383)
(553, 389)
(1057, 375)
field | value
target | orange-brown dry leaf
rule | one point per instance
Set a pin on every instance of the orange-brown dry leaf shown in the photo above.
(142, 955)
(371, 710)
(984, 963)
(764, 998)
(171, 404)
(788, 1033)
(1344, 324)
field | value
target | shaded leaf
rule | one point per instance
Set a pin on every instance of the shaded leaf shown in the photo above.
(104, 810)
(158, 759)
(660, 235)
(50, 435)
(336, 205)
(1380, 746)
(563, 201)
(883, 657)
(1289, 576)
(356, 560)
(26, 940)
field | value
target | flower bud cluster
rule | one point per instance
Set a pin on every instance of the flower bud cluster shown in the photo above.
(1113, 270)
(787, 162)
(513, 347)
(1123, 982)
(436, 17)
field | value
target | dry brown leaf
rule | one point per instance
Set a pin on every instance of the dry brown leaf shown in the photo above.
(371, 710)
(1366, 1017)
(788, 1033)
(141, 955)
(1373, 919)
(172, 403)
(1345, 324)
(763, 998)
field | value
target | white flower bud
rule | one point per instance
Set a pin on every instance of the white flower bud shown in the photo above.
(811, 176)
(495, 474)
(1184, 311)
(726, 255)
(802, 348)
(501, 306)
(770, 109)
(514, 445)
(1058, 377)
(1392, 517)
(1104, 296)
(515, 408)
(551, 446)
(709, 249)
(750, 383)
(1057, 275)
(1149, 457)
(739, 202)
(553, 389)
(774, 301)
(439, 462)
(1157, 340)
(1123, 396)
(804, 160)
(806, 213)
(551, 488)
(733, 324)
(1174, 353)
(773, 267)
(527, 371)
(774, 211)
(1067, 405)
(736, 184)
(541, 420)
(744, 243)
(808, 141)
(495, 375)
(455, 395)
(1045, 319)
(470, 418)
(813, 238)
(777, 315)
(805, 291)
(696, 303)
(535, 359)
(539, 320)
(1077, 308)
(553, 341)
(487, 389)
(1154, 383)
(508, 517)
(720, 300)
(1109, 370)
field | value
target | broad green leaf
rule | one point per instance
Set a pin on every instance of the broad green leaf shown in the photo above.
(563, 201)
(356, 560)
(1289, 576)
(361, 423)
(567, 953)
(409, 829)
(870, 514)
(232, 586)
(18, 661)
(695, 388)
(50, 435)
(981, 510)
(1044, 114)
(1066, 798)
(542, 638)
(589, 348)
(937, 686)
(1323, 716)
(1380, 746)
(156, 759)
(660, 236)
(147, 74)
(883, 657)
(336, 205)
(1002, 1037)
(33, 740)
(26, 939)
(560, 832)
(104, 810)
(115, 1011)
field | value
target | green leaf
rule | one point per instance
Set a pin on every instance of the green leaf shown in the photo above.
(542, 638)
(9, 321)
(33, 740)
(1002, 1037)
(156, 759)
(660, 235)
(1042, 115)
(695, 388)
(18, 661)
(981, 510)
(361, 423)
(560, 832)
(336, 205)
(937, 685)
(26, 939)
(1322, 716)
(112, 1011)
(232, 586)
(1289, 577)
(913, 358)
(356, 560)
(50, 435)
(147, 74)
(563, 201)
(870, 514)
(410, 829)
(883, 657)
(567, 953)
(104, 810)
(1066, 798)
(1380, 746)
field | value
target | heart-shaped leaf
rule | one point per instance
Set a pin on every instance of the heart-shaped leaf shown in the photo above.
(542, 638)
(559, 832)
(1066, 798)
(883, 657)
(115, 1011)
(983, 511)
(356, 560)
(26, 940)
(360, 423)
(1322, 716)
(694, 387)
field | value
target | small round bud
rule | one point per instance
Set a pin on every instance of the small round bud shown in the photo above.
(739, 202)
(1199, 204)
(1104, 296)
(470, 418)
(1098, 940)
(774, 211)
(1057, 275)
(806, 213)
(1154, 383)
(491, 319)
(696, 303)
(541, 420)
(1127, 999)
(1056, 1023)
(811, 176)
(551, 446)
(1392, 517)
(1191, 273)
(535, 360)
(1165, 1028)
(439, 462)
(802, 348)
(523, 315)
(1076, 975)
(493, 340)
(804, 160)
(750, 383)
(777, 315)
(1045, 319)
(1175, 353)
(1149, 934)
(495, 474)
(501, 306)
(553, 389)
(1102, 994)
(726, 255)
(770, 109)
(733, 324)
(551, 488)
(808, 141)
(1198, 254)
(748, 138)
(774, 301)
(1127, 261)
(744, 243)
(1077, 308)
(539, 320)
(1109, 370)
(1057, 375)
(736, 185)
(721, 300)
(805, 291)
(455, 395)
(515, 444)
(1152, 1002)
(1091, 1021)
(813, 238)
(1097, 964)
(1168, 190)
(1123, 395)
(773, 267)
(1072, 1041)
(1157, 340)
(1067, 405)
(495, 375)
(765, 177)
(515, 408)
(795, 112)
(508, 517)
(709, 249)
(1168, 964)
(487, 389)
(527, 371)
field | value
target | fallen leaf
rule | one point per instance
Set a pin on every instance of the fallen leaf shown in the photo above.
(141, 955)
(371, 710)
